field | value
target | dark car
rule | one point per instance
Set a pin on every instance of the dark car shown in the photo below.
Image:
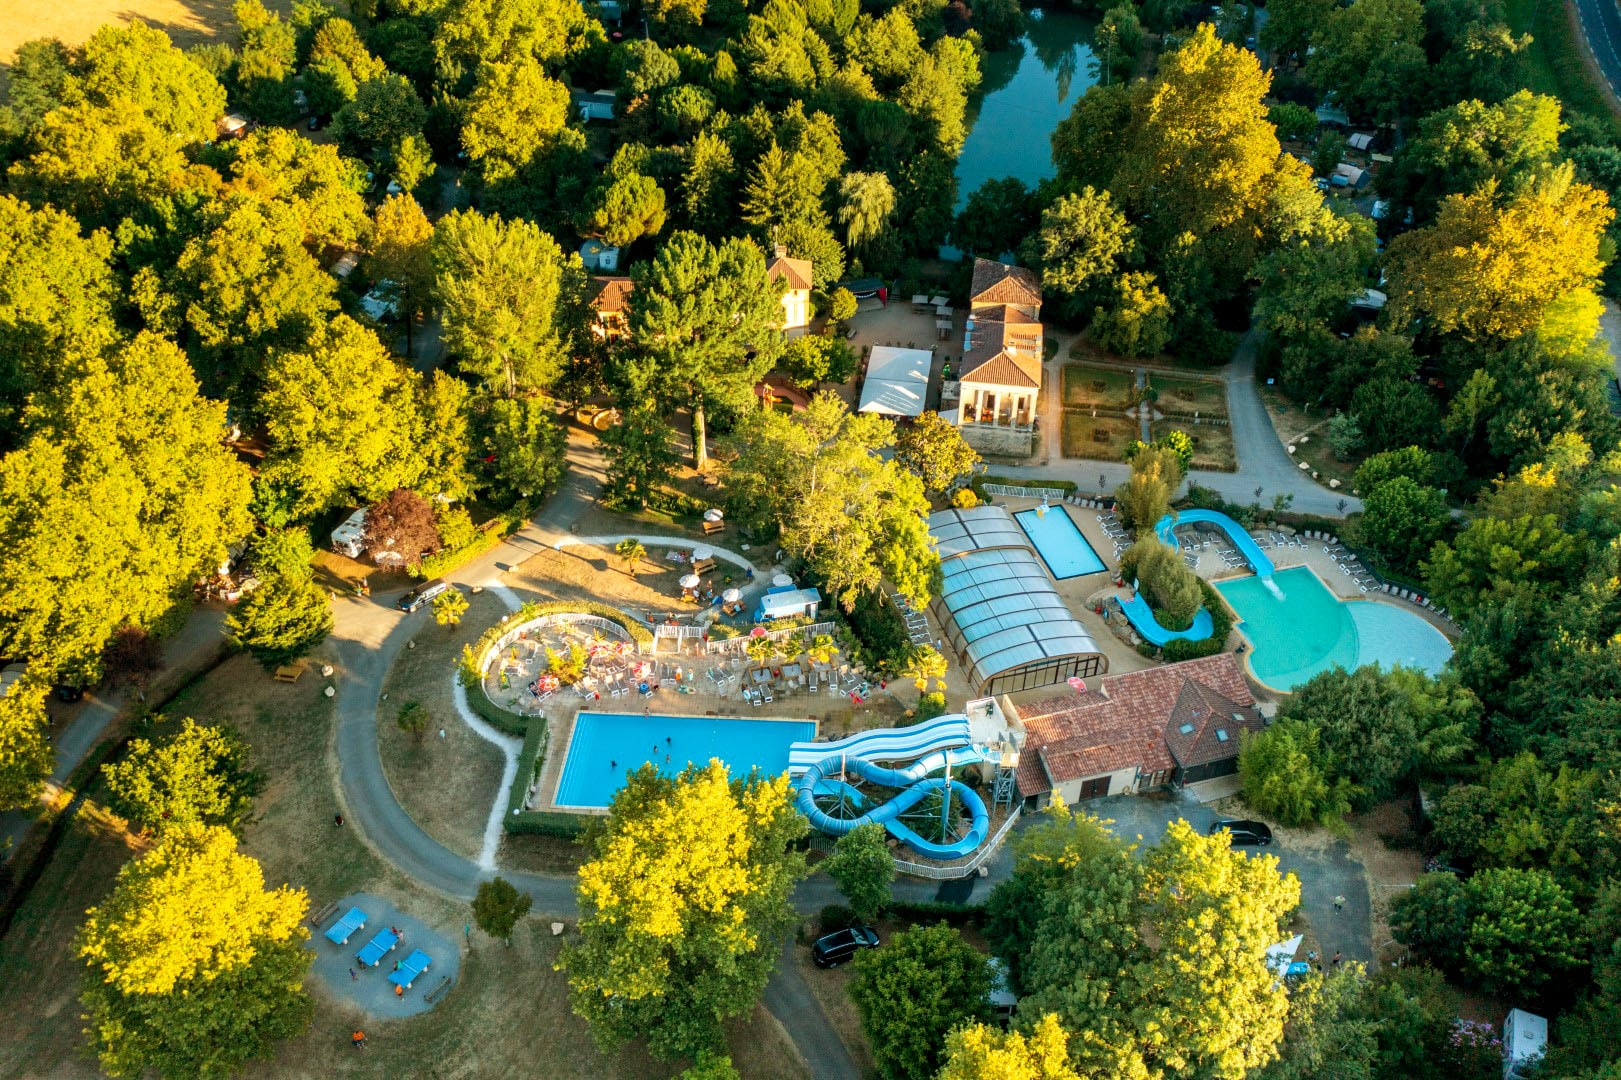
(1244, 832)
(833, 949)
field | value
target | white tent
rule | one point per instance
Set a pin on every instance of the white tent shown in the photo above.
(897, 381)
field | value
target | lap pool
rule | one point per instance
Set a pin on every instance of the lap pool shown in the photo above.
(1059, 540)
(1311, 630)
(605, 746)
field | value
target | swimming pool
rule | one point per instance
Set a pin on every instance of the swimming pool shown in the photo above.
(1311, 630)
(605, 746)
(1059, 540)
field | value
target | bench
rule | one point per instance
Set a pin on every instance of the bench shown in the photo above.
(713, 527)
(289, 673)
(438, 991)
(321, 916)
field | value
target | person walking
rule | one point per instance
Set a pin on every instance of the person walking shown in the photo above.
(352, 976)
(337, 819)
(1339, 903)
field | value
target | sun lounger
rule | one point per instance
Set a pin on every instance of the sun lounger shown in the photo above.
(339, 932)
(409, 968)
(372, 953)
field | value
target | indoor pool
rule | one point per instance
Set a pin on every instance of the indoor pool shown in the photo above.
(1059, 539)
(605, 746)
(1311, 630)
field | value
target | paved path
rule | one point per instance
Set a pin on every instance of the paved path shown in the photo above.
(1262, 461)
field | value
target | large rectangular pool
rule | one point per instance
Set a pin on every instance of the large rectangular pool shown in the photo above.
(1059, 540)
(606, 746)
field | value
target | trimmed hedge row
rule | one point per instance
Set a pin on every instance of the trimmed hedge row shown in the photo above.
(490, 535)
(530, 759)
(936, 911)
(545, 823)
(493, 714)
(977, 484)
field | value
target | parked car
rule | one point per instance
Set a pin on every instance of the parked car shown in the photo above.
(1244, 832)
(422, 594)
(833, 949)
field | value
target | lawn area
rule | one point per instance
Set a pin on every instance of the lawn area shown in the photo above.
(1086, 386)
(1294, 422)
(1101, 438)
(447, 784)
(1557, 63)
(1179, 394)
(188, 22)
(1212, 444)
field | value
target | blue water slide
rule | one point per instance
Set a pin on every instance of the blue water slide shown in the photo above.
(1143, 621)
(1242, 540)
(917, 785)
(885, 744)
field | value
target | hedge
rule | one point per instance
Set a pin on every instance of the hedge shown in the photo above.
(502, 719)
(929, 911)
(546, 823)
(530, 759)
(977, 484)
(1222, 624)
(490, 536)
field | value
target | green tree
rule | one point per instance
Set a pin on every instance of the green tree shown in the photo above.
(198, 775)
(502, 289)
(266, 58)
(866, 204)
(1413, 462)
(1296, 123)
(1345, 435)
(1534, 552)
(708, 1064)
(811, 359)
(1402, 519)
(640, 456)
(498, 907)
(1456, 150)
(1077, 247)
(280, 621)
(26, 755)
(1145, 497)
(99, 163)
(138, 65)
(384, 111)
(983, 1052)
(449, 607)
(515, 114)
(413, 719)
(841, 305)
(401, 252)
(923, 983)
(526, 445)
(192, 967)
(283, 553)
(996, 219)
(680, 926)
(1332, 1032)
(444, 439)
(1372, 55)
(1135, 320)
(626, 210)
(1287, 778)
(324, 190)
(853, 517)
(1158, 570)
(706, 320)
(935, 450)
(862, 868)
(632, 552)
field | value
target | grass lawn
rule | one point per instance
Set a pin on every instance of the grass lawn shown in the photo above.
(188, 22)
(1207, 397)
(447, 785)
(1212, 444)
(1101, 438)
(1557, 63)
(1086, 386)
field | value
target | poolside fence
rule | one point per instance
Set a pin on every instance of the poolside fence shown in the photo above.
(1004, 490)
(969, 868)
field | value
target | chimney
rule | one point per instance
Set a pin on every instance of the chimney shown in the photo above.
(780, 251)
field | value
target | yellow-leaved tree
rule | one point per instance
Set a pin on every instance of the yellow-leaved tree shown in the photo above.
(192, 966)
(684, 907)
(982, 1052)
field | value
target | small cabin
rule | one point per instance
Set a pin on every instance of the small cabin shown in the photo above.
(787, 602)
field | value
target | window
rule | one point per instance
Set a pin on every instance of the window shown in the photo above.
(1186, 729)
(1221, 734)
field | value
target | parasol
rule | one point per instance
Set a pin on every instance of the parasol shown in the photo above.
(1077, 685)
(700, 554)
(731, 596)
(782, 581)
(690, 581)
(713, 514)
(758, 631)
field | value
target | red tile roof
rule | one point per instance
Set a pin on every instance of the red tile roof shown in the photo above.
(610, 293)
(1137, 720)
(999, 283)
(796, 271)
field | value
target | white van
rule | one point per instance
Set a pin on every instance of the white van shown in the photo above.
(423, 593)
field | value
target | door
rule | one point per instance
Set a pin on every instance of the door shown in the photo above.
(1095, 789)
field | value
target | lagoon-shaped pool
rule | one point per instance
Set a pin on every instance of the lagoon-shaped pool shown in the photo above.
(1311, 630)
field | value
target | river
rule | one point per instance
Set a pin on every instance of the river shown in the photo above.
(1027, 89)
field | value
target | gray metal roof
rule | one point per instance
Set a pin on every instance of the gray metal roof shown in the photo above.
(1004, 611)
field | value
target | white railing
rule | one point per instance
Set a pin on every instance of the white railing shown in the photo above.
(1024, 492)
(739, 645)
(967, 869)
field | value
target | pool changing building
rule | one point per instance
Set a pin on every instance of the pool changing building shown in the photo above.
(1005, 623)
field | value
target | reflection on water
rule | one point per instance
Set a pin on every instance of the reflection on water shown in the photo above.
(1027, 89)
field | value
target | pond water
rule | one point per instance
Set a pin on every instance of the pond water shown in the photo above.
(1027, 89)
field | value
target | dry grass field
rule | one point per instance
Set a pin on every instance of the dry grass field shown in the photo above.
(187, 22)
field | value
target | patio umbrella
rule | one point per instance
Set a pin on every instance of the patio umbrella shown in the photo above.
(758, 631)
(782, 581)
(713, 514)
(731, 596)
(1077, 685)
(690, 581)
(700, 554)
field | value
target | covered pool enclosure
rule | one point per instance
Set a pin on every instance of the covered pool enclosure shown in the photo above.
(1003, 618)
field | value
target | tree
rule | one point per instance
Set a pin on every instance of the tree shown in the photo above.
(192, 967)
(1532, 551)
(626, 210)
(1372, 56)
(1171, 588)
(324, 191)
(811, 359)
(444, 438)
(266, 57)
(923, 663)
(198, 775)
(935, 449)
(866, 202)
(1494, 263)
(400, 527)
(923, 983)
(515, 115)
(280, 621)
(384, 112)
(683, 906)
(1287, 778)
(1332, 1032)
(1401, 519)
(524, 447)
(502, 288)
(841, 305)
(861, 866)
(498, 907)
(1145, 497)
(1077, 248)
(707, 1064)
(138, 65)
(413, 719)
(1296, 123)
(707, 320)
(1458, 149)
(449, 607)
(402, 253)
(982, 1052)
(853, 517)
(341, 416)
(132, 656)
(1413, 462)
(99, 163)
(1136, 319)
(1344, 435)
(127, 458)
(26, 755)
(632, 552)
(996, 219)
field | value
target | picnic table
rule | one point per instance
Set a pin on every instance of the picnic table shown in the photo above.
(340, 931)
(920, 303)
(940, 301)
(372, 953)
(406, 971)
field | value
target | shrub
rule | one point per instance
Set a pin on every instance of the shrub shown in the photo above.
(1287, 777)
(965, 499)
(836, 917)
(544, 823)
(930, 706)
(881, 632)
(1221, 619)
(1171, 588)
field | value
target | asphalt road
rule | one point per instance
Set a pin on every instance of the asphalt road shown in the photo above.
(1600, 21)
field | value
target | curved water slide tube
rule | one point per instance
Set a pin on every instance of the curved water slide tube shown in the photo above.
(885, 744)
(1143, 621)
(1242, 540)
(916, 784)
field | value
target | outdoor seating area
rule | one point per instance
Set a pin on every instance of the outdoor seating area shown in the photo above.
(524, 666)
(340, 932)
(348, 973)
(1117, 533)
